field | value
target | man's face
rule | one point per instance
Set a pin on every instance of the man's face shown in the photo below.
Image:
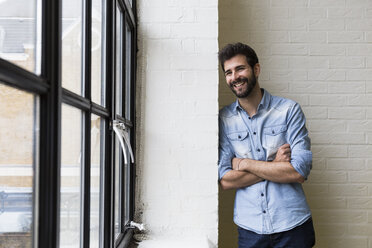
(239, 76)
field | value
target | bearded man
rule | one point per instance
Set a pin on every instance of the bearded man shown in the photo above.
(264, 153)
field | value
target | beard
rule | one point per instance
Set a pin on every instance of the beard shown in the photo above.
(249, 84)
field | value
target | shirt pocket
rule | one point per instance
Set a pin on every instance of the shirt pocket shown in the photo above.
(240, 143)
(274, 137)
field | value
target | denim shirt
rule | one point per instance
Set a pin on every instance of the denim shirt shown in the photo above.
(266, 207)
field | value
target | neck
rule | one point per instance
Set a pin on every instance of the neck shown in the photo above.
(251, 102)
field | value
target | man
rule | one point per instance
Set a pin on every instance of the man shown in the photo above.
(265, 155)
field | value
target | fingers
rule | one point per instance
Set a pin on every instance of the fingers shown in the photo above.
(286, 158)
(285, 149)
(235, 163)
(283, 154)
(283, 158)
(285, 146)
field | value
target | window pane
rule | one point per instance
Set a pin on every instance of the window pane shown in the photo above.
(18, 162)
(117, 212)
(20, 33)
(122, 188)
(128, 71)
(98, 83)
(71, 157)
(71, 45)
(97, 163)
(119, 63)
(127, 189)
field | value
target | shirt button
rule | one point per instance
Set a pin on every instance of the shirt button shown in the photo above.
(254, 133)
(239, 136)
(264, 212)
(262, 194)
(249, 118)
(258, 150)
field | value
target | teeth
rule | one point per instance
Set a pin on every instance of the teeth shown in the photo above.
(239, 84)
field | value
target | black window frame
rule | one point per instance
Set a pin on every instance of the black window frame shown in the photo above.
(47, 86)
(127, 17)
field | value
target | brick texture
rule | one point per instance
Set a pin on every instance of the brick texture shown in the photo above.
(318, 53)
(177, 122)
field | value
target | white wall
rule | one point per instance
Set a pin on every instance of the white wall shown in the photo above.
(177, 122)
(319, 53)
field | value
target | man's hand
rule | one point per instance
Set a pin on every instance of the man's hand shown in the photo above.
(235, 163)
(283, 154)
(279, 170)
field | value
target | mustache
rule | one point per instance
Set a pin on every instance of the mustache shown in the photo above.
(239, 80)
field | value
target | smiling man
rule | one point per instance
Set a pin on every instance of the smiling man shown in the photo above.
(264, 154)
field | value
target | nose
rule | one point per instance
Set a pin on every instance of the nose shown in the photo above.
(234, 75)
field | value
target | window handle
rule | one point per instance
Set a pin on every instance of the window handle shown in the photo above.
(134, 225)
(121, 132)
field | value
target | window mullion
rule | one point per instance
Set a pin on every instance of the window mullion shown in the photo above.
(85, 179)
(86, 141)
(50, 127)
(15, 76)
(86, 48)
(108, 175)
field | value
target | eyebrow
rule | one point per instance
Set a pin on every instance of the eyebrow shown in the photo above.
(236, 68)
(240, 67)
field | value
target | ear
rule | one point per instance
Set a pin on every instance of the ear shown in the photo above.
(257, 69)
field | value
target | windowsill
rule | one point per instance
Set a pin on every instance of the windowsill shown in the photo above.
(179, 242)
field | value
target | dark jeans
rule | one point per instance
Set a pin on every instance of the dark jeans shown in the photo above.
(302, 236)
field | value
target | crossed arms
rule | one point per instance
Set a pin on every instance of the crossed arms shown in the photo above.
(292, 163)
(248, 171)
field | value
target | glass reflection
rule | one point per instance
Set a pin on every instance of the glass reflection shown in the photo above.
(97, 162)
(71, 156)
(72, 45)
(18, 141)
(98, 83)
(20, 34)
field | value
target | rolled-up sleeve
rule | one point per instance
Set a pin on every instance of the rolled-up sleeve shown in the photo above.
(298, 137)
(225, 152)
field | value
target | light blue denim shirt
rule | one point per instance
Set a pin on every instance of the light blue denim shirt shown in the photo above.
(267, 207)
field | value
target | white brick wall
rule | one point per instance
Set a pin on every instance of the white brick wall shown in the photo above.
(177, 188)
(317, 52)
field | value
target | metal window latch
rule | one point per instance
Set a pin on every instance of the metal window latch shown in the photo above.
(122, 133)
(134, 225)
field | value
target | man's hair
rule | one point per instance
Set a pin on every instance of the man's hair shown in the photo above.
(231, 50)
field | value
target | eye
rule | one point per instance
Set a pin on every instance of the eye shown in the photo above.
(227, 73)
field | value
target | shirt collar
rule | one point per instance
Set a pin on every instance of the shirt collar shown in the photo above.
(264, 104)
(265, 101)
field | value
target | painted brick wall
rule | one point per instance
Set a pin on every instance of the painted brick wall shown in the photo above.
(319, 53)
(177, 122)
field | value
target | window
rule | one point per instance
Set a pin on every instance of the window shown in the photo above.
(124, 167)
(72, 46)
(20, 37)
(71, 175)
(18, 163)
(96, 179)
(67, 80)
(20, 91)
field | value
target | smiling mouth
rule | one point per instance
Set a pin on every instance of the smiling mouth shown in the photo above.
(237, 85)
